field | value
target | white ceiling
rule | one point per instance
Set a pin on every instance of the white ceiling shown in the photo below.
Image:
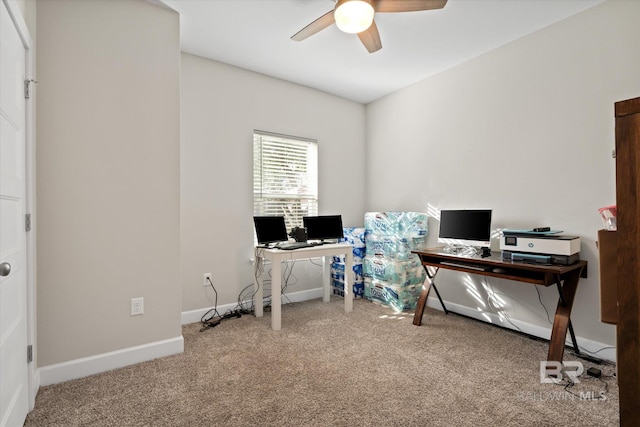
(255, 35)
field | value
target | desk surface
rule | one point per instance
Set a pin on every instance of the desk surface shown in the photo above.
(495, 266)
(308, 252)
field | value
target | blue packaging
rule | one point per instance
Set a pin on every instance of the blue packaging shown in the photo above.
(354, 236)
(337, 271)
(338, 288)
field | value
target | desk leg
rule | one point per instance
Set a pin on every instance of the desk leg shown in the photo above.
(349, 281)
(576, 349)
(422, 300)
(433, 285)
(326, 278)
(562, 319)
(276, 294)
(258, 297)
(571, 333)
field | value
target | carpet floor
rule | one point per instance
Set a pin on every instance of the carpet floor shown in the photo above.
(370, 367)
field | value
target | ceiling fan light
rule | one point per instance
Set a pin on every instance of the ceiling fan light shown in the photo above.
(354, 16)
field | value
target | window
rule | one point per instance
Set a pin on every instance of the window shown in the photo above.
(285, 177)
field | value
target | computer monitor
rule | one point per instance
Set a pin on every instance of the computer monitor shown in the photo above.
(323, 227)
(465, 227)
(270, 229)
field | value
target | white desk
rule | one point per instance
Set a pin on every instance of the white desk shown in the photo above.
(277, 256)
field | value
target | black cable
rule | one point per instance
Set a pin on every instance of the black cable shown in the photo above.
(215, 318)
(311, 261)
(497, 309)
(244, 300)
(215, 305)
(590, 395)
(598, 351)
(288, 272)
(209, 322)
(590, 353)
(257, 273)
(543, 306)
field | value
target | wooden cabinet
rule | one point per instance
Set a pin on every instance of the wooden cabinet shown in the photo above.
(627, 117)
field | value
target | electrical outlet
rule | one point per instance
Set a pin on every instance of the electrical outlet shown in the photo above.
(137, 306)
(205, 279)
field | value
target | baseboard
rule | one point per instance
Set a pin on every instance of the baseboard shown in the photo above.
(91, 365)
(195, 316)
(34, 386)
(117, 359)
(587, 346)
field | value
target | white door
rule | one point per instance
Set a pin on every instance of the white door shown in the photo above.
(14, 385)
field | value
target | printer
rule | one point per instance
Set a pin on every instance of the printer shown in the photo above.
(539, 248)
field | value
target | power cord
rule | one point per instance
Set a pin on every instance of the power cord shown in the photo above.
(259, 269)
(542, 304)
(491, 302)
(215, 318)
(245, 303)
(589, 395)
(590, 353)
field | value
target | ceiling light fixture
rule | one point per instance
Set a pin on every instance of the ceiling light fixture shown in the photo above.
(354, 16)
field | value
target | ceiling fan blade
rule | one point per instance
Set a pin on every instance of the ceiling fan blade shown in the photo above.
(319, 24)
(386, 6)
(370, 38)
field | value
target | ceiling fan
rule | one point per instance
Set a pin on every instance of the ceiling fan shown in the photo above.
(356, 16)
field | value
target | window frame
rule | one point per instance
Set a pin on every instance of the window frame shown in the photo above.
(285, 176)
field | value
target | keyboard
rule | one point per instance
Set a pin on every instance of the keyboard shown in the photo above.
(288, 246)
(461, 265)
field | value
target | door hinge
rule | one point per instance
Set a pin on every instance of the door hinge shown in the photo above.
(29, 353)
(27, 222)
(27, 85)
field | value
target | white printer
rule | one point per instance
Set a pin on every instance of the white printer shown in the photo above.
(539, 247)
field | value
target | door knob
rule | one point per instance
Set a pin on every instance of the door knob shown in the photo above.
(5, 269)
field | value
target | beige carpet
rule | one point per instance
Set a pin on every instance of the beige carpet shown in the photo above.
(329, 368)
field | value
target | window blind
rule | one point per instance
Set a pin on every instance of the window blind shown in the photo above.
(285, 177)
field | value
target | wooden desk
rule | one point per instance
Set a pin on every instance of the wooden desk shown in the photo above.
(565, 277)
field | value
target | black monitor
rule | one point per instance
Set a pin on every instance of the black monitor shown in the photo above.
(466, 227)
(323, 227)
(270, 229)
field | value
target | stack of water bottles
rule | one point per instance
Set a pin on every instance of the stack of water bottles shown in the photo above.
(355, 237)
(392, 274)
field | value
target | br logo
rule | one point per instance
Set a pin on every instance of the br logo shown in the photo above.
(551, 371)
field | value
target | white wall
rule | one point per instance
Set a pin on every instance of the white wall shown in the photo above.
(107, 177)
(221, 107)
(526, 130)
